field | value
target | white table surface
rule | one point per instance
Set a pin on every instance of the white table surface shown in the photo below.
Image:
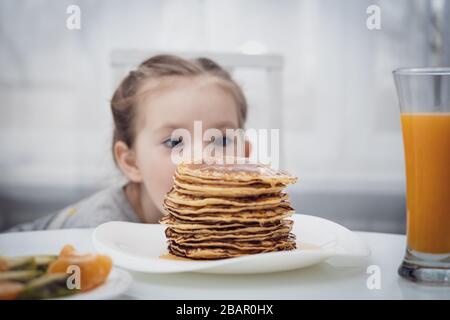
(322, 281)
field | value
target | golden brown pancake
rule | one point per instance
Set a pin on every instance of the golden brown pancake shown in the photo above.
(235, 228)
(254, 216)
(211, 253)
(236, 172)
(224, 191)
(197, 180)
(237, 235)
(183, 209)
(173, 222)
(266, 244)
(198, 201)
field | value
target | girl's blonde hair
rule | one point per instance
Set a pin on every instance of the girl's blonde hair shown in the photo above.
(124, 99)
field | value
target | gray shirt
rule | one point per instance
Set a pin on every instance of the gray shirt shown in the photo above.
(106, 205)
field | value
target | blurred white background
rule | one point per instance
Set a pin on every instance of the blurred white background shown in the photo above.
(340, 120)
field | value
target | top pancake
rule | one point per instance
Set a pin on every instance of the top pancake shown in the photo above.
(234, 173)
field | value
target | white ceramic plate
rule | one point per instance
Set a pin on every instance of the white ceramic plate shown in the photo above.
(139, 247)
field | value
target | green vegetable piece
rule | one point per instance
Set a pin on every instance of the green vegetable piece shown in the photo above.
(21, 275)
(47, 286)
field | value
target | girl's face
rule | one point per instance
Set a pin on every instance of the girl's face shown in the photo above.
(176, 104)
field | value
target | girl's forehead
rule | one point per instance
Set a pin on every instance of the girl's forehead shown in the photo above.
(155, 86)
(179, 101)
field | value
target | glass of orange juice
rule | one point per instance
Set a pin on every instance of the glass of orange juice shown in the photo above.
(424, 97)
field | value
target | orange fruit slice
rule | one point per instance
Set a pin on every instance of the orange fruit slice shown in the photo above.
(94, 268)
(9, 290)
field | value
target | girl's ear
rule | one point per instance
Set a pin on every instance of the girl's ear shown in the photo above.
(248, 148)
(126, 160)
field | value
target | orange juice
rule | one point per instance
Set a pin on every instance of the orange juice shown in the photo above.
(426, 138)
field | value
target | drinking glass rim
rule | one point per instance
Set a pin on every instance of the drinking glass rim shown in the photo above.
(426, 71)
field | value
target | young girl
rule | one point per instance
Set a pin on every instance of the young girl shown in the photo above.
(164, 93)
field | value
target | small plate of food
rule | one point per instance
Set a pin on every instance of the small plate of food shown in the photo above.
(69, 275)
(228, 218)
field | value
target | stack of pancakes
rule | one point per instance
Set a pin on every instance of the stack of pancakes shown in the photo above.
(217, 211)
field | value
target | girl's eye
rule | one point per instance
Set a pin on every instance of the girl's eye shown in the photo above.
(172, 143)
(223, 142)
